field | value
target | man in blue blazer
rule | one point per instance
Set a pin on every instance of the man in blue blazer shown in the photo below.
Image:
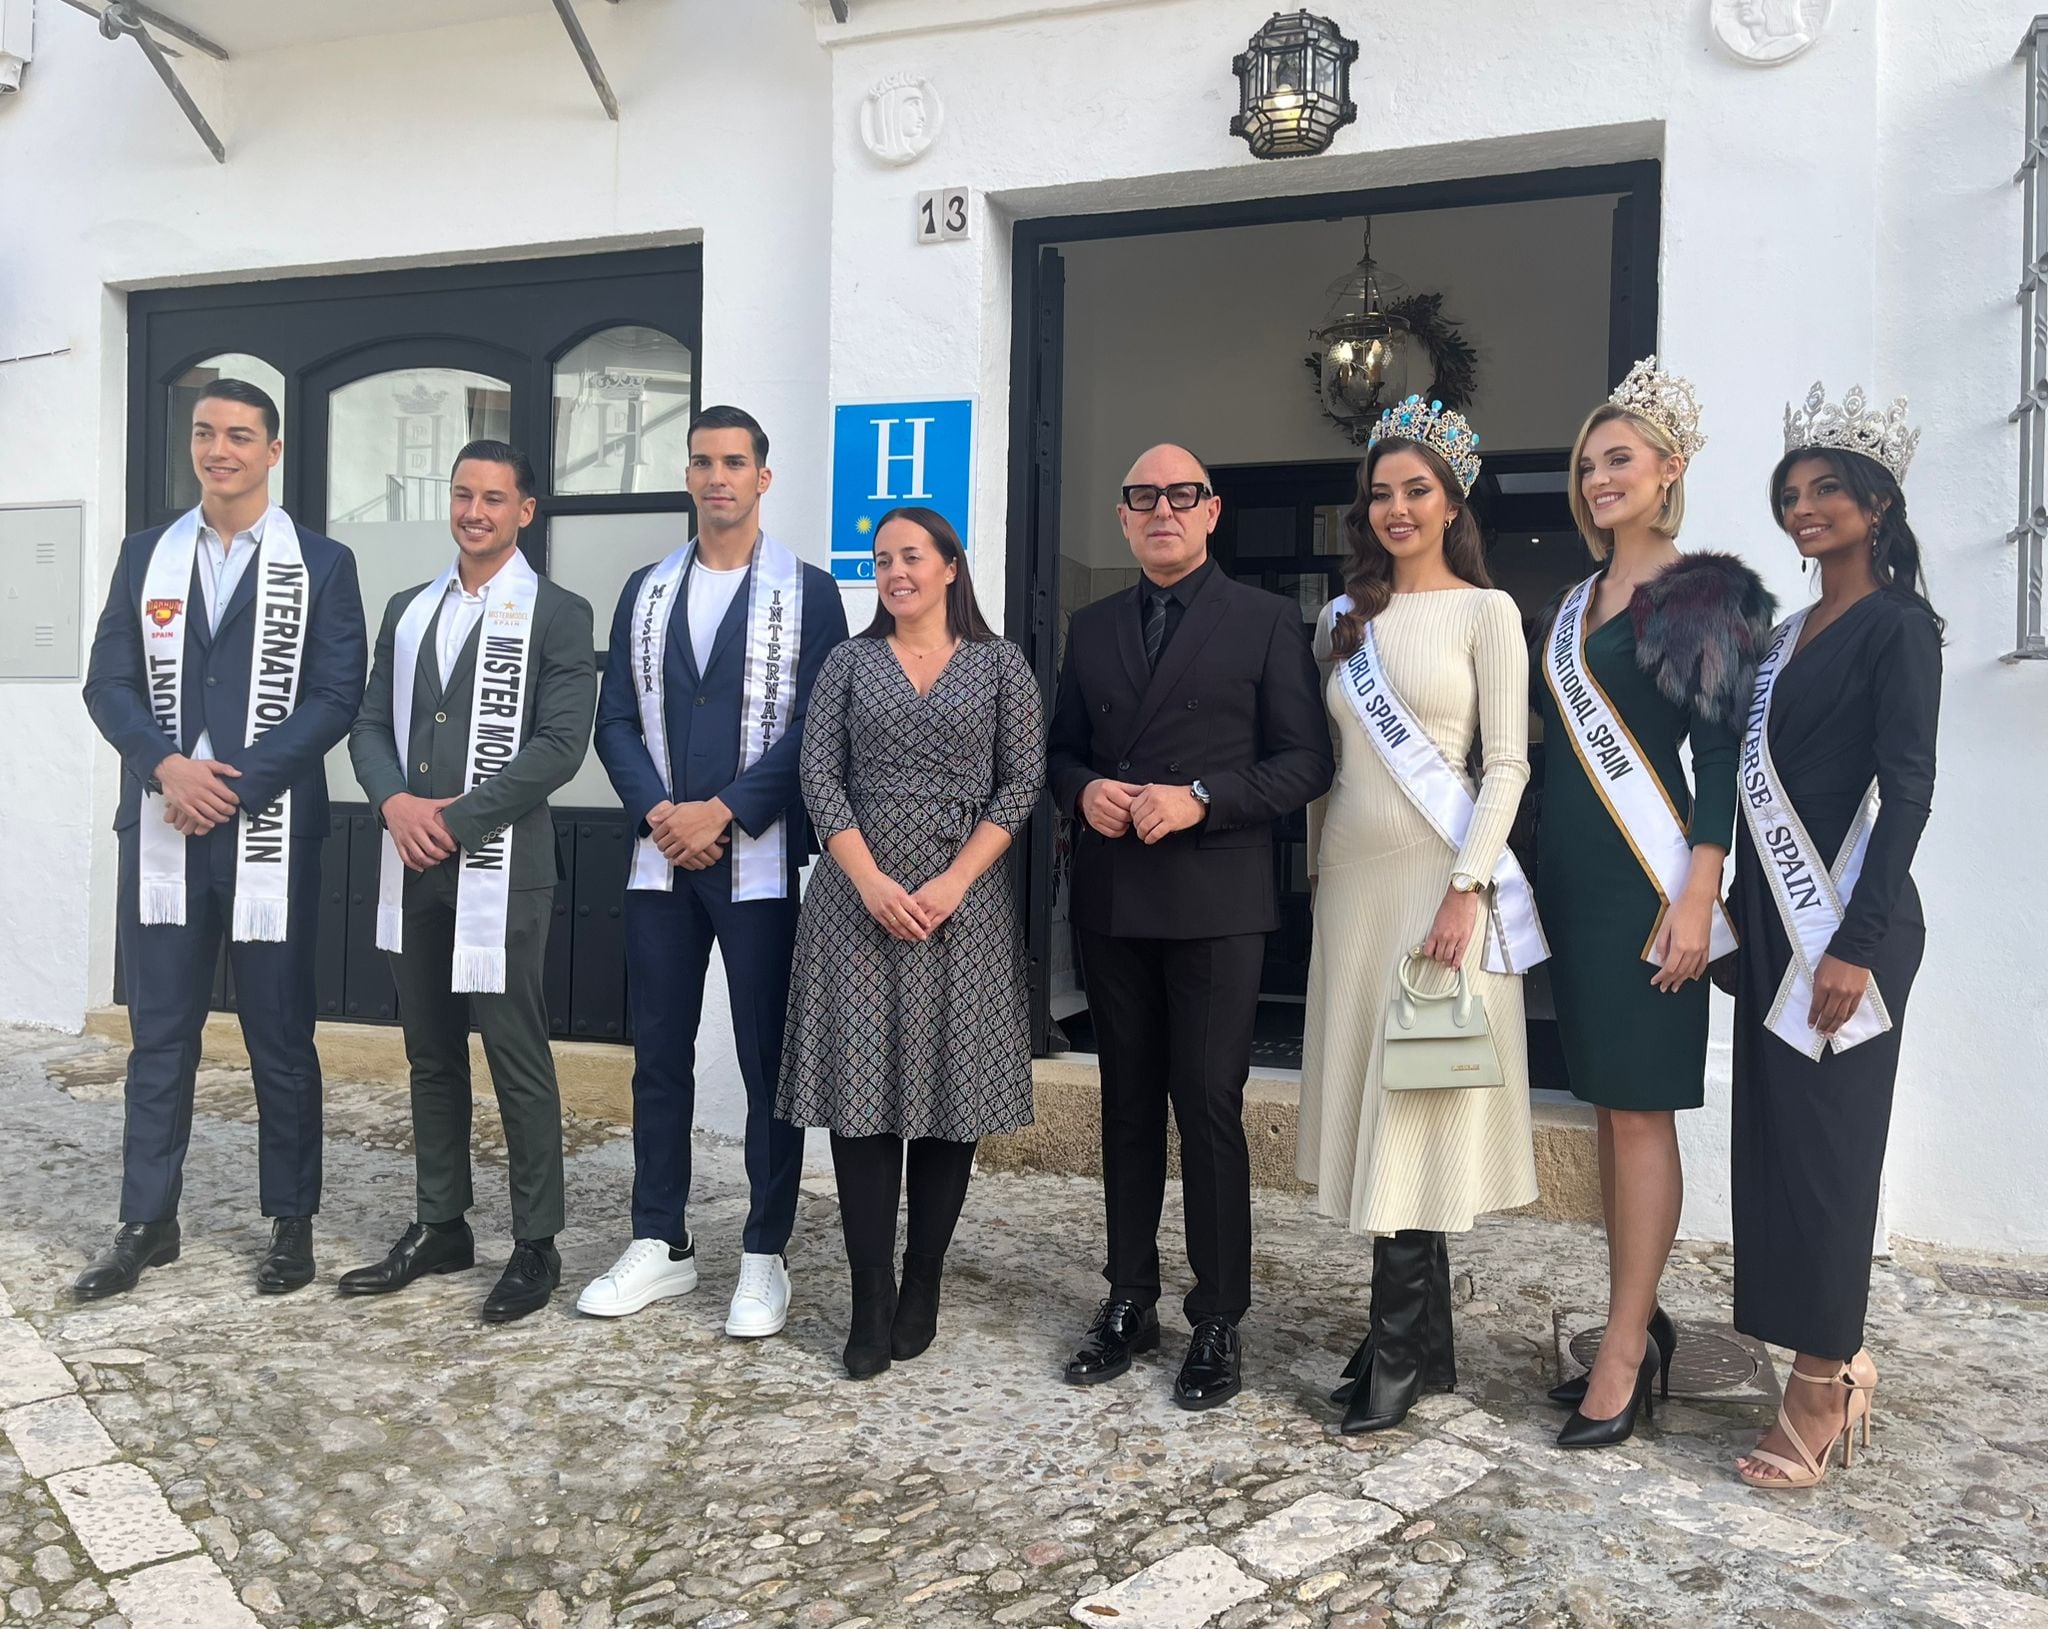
(229, 659)
(699, 721)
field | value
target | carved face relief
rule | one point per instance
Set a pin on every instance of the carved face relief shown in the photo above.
(1764, 33)
(900, 119)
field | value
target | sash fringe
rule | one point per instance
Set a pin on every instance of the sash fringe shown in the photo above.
(163, 904)
(479, 968)
(391, 929)
(260, 918)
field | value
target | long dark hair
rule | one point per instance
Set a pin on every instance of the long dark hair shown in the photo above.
(963, 613)
(1894, 550)
(1369, 573)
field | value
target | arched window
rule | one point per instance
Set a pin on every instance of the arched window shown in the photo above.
(622, 413)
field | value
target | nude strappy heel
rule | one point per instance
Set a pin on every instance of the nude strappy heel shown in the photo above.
(1809, 1470)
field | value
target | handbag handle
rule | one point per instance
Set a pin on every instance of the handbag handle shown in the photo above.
(1460, 994)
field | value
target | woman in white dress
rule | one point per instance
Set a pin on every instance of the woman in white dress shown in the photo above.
(1409, 1166)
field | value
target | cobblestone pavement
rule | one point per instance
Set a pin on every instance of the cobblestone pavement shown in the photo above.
(193, 1456)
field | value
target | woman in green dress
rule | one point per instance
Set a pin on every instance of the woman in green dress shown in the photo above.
(1656, 649)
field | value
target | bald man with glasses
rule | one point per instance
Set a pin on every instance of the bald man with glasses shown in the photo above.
(1189, 720)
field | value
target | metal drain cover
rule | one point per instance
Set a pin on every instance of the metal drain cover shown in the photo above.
(2011, 1283)
(1714, 1362)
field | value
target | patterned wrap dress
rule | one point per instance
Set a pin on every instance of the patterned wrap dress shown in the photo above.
(885, 1036)
(1382, 1161)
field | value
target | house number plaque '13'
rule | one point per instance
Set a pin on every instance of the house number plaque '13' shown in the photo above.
(942, 215)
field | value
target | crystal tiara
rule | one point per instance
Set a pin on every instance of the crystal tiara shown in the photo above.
(1854, 426)
(1445, 434)
(1664, 399)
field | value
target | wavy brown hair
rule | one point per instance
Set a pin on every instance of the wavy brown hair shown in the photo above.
(1369, 573)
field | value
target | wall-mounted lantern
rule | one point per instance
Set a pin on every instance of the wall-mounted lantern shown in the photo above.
(1294, 86)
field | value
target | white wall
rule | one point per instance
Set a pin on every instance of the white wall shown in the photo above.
(1198, 338)
(1783, 256)
(470, 143)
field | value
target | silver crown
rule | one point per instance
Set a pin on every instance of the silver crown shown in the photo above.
(1666, 400)
(1444, 432)
(1855, 426)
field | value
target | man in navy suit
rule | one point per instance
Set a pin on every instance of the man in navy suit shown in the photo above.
(699, 721)
(223, 685)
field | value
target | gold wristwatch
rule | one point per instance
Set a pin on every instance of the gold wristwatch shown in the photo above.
(1463, 882)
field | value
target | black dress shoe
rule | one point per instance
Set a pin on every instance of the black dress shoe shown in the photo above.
(1121, 1330)
(1212, 1372)
(1581, 1432)
(420, 1249)
(289, 1266)
(530, 1277)
(115, 1269)
(1571, 1393)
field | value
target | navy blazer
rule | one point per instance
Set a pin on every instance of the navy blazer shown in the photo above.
(290, 755)
(703, 715)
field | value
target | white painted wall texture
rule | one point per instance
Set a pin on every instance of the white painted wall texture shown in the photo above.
(1849, 215)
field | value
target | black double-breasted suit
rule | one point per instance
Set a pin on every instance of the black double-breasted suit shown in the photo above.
(1172, 933)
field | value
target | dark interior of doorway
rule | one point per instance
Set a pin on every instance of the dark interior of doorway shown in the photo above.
(1533, 547)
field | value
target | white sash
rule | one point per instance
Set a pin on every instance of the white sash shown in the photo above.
(774, 625)
(1514, 937)
(277, 653)
(1615, 764)
(483, 888)
(1810, 900)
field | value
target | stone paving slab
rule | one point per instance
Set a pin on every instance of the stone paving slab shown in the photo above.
(58, 1435)
(120, 1516)
(188, 1594)
(394, 1464)
(1185, 1591)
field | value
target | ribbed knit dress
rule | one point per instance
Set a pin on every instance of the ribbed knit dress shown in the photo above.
(1380, 1160)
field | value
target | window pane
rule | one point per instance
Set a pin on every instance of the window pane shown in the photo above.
(622, 410)
(181, 486)
(391, 439)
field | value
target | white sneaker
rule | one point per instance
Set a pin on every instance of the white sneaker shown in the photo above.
(760, 1305)
(645, 1273)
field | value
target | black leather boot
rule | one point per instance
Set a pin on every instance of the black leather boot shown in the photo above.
(1440, 1358)
(115, 1269)
(874, 1310)
(917, 1305)
(1392, 1382)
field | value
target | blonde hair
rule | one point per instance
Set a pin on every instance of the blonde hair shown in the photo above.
(1599, 540)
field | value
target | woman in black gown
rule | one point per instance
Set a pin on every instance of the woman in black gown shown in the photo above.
(1847, 698)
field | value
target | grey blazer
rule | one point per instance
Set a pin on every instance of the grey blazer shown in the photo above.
(559, 705)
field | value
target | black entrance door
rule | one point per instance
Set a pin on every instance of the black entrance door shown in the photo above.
(590, 364)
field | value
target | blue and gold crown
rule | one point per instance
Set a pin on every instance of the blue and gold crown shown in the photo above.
(1445, 434)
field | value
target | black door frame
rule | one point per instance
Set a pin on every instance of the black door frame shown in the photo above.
(1036, 294)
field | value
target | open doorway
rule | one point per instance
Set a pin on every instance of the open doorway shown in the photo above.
(1192, 325)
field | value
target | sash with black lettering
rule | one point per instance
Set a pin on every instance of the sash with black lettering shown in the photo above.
(483, 889)
(760, 867)
(1810, 899)
(1620, 774)
(277, 653)
(1514, 936)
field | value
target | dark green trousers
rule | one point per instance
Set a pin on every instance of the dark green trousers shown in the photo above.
(515, 1033)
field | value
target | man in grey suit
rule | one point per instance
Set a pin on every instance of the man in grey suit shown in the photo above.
(462, 795)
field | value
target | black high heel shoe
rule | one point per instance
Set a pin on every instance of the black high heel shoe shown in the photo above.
(1571, 1393)
(1580, 1432)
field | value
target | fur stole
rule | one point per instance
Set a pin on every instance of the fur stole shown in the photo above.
(1700, 626)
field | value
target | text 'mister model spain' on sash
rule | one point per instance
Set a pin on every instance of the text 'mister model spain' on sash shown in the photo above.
(1514, 936)
(277, 655)
(1614, 763)
(1810, 898)
(774, 623)
(483, 887)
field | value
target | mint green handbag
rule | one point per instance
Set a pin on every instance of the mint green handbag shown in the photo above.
(1437, 1042)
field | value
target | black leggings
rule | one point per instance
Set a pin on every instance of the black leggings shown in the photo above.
(870, 1177)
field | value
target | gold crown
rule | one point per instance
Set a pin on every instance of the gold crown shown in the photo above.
(1666, 400)
(1853, 426)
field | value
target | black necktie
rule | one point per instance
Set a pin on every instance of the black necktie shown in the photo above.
(1156, 603)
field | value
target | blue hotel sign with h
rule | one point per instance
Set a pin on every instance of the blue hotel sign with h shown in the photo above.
(886, 454)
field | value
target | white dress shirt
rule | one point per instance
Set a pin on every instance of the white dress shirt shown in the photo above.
(221, 567)
(461, 611)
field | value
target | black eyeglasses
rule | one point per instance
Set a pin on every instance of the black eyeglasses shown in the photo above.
(1178, 495)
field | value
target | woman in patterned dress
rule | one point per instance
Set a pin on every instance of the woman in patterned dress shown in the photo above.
(923, 756)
